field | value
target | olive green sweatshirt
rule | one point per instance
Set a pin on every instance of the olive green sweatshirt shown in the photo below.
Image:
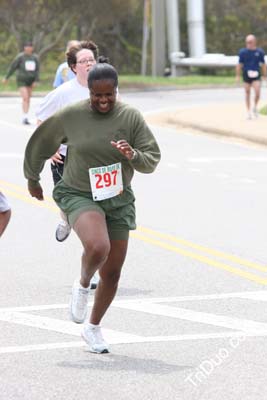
(26, 65)
(88, 134)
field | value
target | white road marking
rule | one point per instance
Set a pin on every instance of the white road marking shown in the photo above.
(247, 180)
(197, 170)
(62, 326)
(37, 347)
(147, 339)
(228, 159)
(221, 175)
(260, 295)
(257, 296)
(244, 325)
(236, 327)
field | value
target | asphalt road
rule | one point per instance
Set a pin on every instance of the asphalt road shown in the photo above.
(189, 320)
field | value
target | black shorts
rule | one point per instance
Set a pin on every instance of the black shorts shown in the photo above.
(26, 82)
(247, 79)
(57, 170)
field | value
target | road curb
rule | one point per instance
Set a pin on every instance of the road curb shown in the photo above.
(178, 123)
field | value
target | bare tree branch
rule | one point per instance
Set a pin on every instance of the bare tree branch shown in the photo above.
(60, 34)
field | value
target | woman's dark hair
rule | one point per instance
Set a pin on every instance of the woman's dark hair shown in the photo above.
(72, 52)
(102, 71)
(103, 59)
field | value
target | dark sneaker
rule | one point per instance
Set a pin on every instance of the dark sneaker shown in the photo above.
(94, 281)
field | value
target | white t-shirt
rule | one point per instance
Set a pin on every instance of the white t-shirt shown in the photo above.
(68, 93)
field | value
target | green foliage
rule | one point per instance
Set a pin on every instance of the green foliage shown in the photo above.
(116, 26)
(263, 110)
(228, 22)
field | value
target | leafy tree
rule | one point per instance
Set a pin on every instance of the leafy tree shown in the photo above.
(115, 25)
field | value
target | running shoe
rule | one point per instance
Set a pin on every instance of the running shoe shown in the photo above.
(92, 335)
(63, 230)
(25, 121)
(78, 303)
(94, 281)
(249, 115)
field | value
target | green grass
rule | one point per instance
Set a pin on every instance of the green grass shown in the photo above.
(138, 81)
(187, 80)
(263, 110)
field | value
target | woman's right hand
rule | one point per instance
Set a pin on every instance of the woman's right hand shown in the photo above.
(36, 191)
(56, 159)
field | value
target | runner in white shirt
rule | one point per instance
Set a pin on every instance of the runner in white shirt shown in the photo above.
(80, 58)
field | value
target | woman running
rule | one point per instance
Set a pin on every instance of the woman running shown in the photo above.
(107, 140)
(26, 65)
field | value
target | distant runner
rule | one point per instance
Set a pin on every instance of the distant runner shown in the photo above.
(252, 64)
(64, 73)
(107, 141)
(26, 65)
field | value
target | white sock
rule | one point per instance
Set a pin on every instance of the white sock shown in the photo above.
(92, 326)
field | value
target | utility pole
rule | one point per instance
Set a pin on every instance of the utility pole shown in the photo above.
(145, 37)
(172, 8)
(196, 28)
(173, 29)
(158, 38)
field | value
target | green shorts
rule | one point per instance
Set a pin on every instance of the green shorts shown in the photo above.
(119, 211)
(26, 82)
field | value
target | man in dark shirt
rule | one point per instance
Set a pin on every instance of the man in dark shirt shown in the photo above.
(252, 64)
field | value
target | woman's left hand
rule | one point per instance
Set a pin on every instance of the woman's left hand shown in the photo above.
(124, 148)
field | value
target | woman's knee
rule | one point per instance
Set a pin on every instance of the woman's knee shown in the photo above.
(98, 251)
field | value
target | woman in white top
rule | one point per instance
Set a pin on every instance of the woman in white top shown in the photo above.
(81, 58)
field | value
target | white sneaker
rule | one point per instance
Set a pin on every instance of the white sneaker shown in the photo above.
(249, 115)
(79, 301)
(94, 281)
(92, 335)
(63, 230)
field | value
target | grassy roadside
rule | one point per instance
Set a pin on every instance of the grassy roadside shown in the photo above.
(181, 81)
(139, 82)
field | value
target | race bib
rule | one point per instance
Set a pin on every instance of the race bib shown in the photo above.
(30, 65)
(106, 182)
(253, 74)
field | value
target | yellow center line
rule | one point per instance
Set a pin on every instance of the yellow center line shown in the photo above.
(29, 200)
(203, 249)
(202, 259)
(21, 189)
(142, 232)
